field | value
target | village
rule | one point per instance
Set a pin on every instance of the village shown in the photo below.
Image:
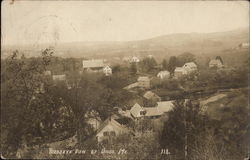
(125, 80)
(111, 126)
(143, 94)
(146, 113)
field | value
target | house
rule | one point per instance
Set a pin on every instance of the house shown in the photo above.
(150, 56)
(185, 69)
(143, 82)
(47, 73)
(61, 77)
(134, 59)
(152, 112)
(133, 85)
(165, 106)
(152, 96)
(215, 63)
(110, 128)
(179, 71)
(137, 111)
(93, 65)
(244, 45)
(190, 67)
(125, 59)
(107, 71)
(163, 74)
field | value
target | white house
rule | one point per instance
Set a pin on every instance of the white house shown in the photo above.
(107, 71)
(244, 45)
(134, 59)
(180, 71)
(110, 128)
(185, 69)
(163, 74)
(190, 67)
(137, 111)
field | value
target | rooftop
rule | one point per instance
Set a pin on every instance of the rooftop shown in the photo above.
(93, 63)
(136, 109)
(152, 111)
(190, 64)
(165, 106)
(143, 79)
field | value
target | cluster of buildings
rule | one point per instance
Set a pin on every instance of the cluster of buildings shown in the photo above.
(88, 66)
(118, 124)
(138, 112)
(113, 126)
(188, 68)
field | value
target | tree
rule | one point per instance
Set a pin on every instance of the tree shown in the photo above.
(133, 68)
(116, 69)
(164, 64)
(232, 130)
(181, 129)
(185, 57)
(147, 64)
(172, 64)
(24, 104)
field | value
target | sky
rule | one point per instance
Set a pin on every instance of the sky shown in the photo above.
(27, 22)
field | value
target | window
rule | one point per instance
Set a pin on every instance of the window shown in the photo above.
(105, 133)
(112, 133)
(142, 112)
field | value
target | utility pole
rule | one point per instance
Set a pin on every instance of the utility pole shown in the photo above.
(185, 124)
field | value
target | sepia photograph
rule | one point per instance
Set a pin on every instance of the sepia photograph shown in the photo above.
(138, 80)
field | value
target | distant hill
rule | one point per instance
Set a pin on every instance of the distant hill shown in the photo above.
(162, 46)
